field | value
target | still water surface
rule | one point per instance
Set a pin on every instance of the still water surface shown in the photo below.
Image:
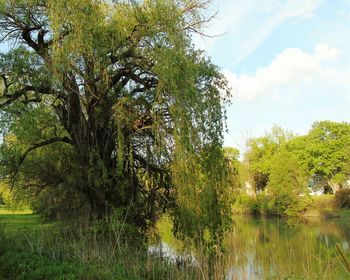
(271, 248)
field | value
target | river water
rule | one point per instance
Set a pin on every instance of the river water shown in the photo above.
(271, 248)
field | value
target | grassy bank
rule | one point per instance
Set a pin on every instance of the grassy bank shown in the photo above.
(32, 249)
(324, 206)
(22, 220)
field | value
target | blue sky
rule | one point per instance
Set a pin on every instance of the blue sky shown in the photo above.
(287, 61)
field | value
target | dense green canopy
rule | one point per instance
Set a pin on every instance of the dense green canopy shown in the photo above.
(325, 152)
(108, 106)
(260, 155)
(284, 161)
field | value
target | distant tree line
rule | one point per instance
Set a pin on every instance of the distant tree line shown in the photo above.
(280, 168)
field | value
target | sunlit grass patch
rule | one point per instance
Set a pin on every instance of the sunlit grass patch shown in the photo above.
(13, 221)
(6, 211)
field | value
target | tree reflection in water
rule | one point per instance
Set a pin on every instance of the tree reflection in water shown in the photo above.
(271, 248)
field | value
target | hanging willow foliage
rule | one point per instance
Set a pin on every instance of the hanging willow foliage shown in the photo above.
(137, 107)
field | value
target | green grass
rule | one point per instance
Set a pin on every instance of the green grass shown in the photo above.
(5, 211)
(21, 220)
(31, 249)
(324, 206)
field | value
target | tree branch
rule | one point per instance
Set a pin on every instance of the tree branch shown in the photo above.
(42, 144)
(22, 92)
(149, 166)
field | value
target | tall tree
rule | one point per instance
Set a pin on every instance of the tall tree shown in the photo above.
(133, 112)
(260, 152)
(286, 174)
(325, 151)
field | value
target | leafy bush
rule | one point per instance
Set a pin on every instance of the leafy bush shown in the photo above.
(255, 206)
(342, 198)
(250, 204)
(55, 203)
(299, 206)
(288, 204)
(278, 204)
(243, 203)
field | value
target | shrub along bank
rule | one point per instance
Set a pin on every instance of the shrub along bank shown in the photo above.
(290, 205)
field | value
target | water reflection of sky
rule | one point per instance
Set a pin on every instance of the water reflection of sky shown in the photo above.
(164, 251)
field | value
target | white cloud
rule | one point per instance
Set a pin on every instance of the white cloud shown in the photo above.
(248, 23)
(301, 8)
(290, 71)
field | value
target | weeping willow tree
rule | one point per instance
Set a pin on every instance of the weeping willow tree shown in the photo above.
(108, 102)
